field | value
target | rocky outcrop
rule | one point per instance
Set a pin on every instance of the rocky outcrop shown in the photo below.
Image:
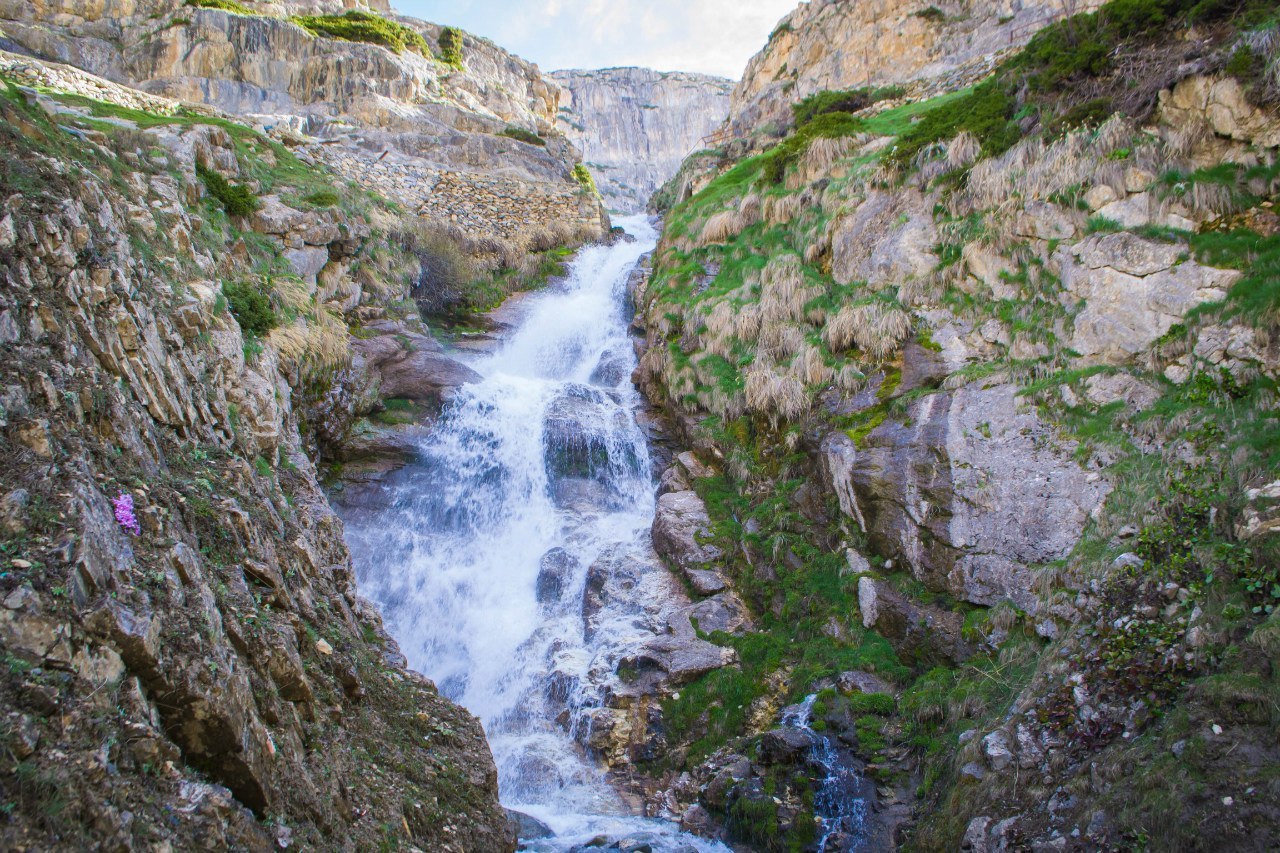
(969, 493)
(401, 123)
(839, 44)
(190, 662)
(635, 126)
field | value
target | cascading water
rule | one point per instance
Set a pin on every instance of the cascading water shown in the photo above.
(479, 552)
(840, 801)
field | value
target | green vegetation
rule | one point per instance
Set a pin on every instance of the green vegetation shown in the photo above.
(582, 175)
(251, 307)
(362, 26)
(223, 5)
(846, 101)
(986, 112)
(321, 198)
(526, 136)
(236, 199)
(450, 42)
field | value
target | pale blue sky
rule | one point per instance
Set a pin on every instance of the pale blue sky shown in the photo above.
(710, 36)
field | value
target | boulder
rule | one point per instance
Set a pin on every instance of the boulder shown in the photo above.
(679, 523)
(1134, 290)
(555, 573)
(411, 365)
(929, 633)
(969, 492)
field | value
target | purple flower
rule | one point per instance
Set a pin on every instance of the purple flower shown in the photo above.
(124, 513)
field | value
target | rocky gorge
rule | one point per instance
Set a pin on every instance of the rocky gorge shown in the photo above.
(912, 486)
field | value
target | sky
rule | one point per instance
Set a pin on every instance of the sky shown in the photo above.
(708, 36)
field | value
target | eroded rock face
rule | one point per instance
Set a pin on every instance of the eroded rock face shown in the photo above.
(1134, 291)
(970, 495)
(635, 126)
(831, 44)
(206, 653)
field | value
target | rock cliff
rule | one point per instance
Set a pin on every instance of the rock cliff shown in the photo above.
(635, 126)
(187, 309)
(844, 44)
(978, 379)
(393, 120)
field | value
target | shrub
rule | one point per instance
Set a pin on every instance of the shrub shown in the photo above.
(1089, 114)
(844, 101)
(450, 42)
(445, 271)
(251, 307)
(361, 26)
(222, 5)
(582, 175)
(236, 199)
(526, 136)
(932, 14)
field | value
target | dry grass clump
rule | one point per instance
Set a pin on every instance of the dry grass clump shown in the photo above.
(963, 150)
(316, 343)
(781, 209)
(849, 379)
(724, 226)
(877, 329)
(784, 292)
(822, 154)
(780, 398)
(779, 342)
(810, 367)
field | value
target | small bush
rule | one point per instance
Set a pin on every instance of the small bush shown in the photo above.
(322, 198)
(443, 286)
(450, 42)
(222, 5)
(582, 175)
(845, 101)
(251, 307)
(236, 199)
(360, 26)
(526, 136)
(932, 14)
(1089, 114)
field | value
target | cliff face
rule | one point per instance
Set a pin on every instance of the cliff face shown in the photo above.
(388, 118)
(979, 384)
(634, 126)
(188, 662)
(845, 44)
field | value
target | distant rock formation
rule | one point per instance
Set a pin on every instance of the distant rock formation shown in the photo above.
(635, 125)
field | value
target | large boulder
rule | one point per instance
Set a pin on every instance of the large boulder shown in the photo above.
(410, 364)
(1134, 290)
(917, 630)
(680, 527)
(970, 490)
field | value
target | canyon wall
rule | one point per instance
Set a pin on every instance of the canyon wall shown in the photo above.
(977, 380)
(378, 115)
(634, 126)
(845, 44)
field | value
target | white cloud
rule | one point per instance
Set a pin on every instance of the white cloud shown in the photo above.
(711, 36)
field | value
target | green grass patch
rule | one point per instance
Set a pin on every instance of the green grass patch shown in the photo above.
(361, 26)
(526, 136)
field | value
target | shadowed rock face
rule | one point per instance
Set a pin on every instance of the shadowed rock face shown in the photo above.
(634, 125)
(971, 495)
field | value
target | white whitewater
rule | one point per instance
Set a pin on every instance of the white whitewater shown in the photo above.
(478, 553)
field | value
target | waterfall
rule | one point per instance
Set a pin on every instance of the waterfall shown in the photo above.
(840, 801)
(486, 553)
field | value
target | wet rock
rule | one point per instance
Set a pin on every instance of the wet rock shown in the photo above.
(526, 827)
(785, 746)
(555, 571)
(680, 526)
(409, 364)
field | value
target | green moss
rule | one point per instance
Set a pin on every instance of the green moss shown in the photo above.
(223, 5)
(361, 26)
(321, 198)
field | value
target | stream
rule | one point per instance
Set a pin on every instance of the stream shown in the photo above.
(481, 552)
